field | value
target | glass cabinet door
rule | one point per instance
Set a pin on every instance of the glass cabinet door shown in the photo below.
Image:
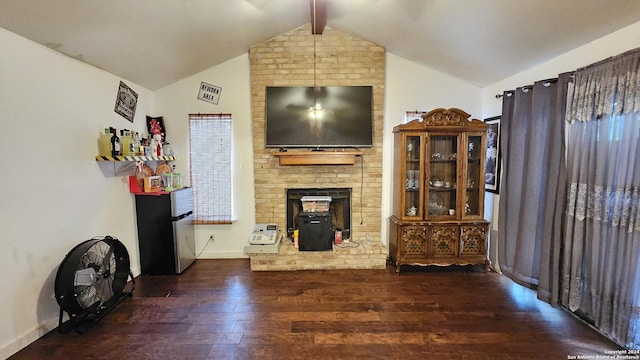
(442, 172)
(412, 177)
(474, 181)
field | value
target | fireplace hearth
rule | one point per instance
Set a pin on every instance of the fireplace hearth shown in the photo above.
(340, 208)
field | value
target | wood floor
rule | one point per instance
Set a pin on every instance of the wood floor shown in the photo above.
(219, 309)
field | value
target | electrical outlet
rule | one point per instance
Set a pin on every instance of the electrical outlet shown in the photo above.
(212, 238)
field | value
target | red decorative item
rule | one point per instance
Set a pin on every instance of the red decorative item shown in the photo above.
(155, 126)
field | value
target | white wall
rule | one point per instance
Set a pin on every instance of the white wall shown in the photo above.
(411, 87)
(54, 194)
(175, 102)
(613, 44)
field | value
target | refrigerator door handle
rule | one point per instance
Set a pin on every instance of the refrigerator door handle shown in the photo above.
(176, 218)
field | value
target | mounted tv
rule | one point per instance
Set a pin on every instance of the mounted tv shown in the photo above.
(319, 117)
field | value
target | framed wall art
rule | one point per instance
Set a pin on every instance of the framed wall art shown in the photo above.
(492, 167)
(155, 126)
(126, 102)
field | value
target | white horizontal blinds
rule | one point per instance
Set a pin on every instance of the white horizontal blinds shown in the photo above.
(210, 153)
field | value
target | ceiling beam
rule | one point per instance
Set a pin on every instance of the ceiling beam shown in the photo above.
(318, 16)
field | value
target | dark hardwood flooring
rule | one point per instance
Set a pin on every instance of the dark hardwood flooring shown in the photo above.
(219, 309)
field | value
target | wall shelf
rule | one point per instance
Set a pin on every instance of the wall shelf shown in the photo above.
(328, 157)
(135, 158)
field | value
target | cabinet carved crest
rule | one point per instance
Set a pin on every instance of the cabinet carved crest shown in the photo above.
(445, 117)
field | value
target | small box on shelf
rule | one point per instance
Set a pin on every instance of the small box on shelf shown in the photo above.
(136, 188)
(153, 184)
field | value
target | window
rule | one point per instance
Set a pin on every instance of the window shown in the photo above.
(210, 153)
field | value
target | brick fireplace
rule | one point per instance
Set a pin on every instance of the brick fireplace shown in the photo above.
(334, 58)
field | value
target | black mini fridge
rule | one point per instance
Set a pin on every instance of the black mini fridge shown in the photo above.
(166, 236)
(316, 233)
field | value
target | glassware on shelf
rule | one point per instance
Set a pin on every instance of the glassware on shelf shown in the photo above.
(167, 181)
(412, 181)
(470, 183)
(177, 180)
(436, 205)
(437, 181)
(410, 151)
(167, 149)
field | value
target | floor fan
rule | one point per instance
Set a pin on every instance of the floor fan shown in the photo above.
(92, 279)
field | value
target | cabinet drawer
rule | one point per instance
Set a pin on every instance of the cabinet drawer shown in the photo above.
(473, 239)
(444, 240)
(413, 241)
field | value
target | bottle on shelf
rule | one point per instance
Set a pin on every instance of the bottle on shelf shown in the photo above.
(115, 143)
(136, 143)
(104, 143)
(153, 145)
(126, 142)
(167, 149)
(158, 145)
(146, 147)
(132, 148)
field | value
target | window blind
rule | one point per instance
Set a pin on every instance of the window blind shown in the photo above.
(210, 156)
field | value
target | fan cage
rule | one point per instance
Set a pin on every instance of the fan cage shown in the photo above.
(92, 278)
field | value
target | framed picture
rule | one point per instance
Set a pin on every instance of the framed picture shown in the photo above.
(492, 164)
(126, 102)
(155, 125)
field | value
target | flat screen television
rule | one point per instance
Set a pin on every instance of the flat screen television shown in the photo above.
(319, 117)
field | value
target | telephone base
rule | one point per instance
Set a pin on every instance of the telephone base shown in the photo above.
(263, 239)
(265, 248)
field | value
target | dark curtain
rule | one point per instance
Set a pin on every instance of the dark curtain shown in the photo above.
(534, 178)
(601, 267)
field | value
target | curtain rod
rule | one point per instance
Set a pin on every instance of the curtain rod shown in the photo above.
(527, 87)
(210, 114)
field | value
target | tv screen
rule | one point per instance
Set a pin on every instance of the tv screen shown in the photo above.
(316, 117)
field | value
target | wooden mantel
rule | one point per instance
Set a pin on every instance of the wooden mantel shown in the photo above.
(322, 157)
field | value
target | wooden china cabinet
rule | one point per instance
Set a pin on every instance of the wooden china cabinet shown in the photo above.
(438, 191)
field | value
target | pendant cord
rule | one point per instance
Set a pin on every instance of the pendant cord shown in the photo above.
(313, 32)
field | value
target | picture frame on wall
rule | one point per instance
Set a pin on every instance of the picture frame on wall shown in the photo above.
(126, 102)
(155, 125)
(493, 156)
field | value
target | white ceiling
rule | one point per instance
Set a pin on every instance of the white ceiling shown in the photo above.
(155, 43)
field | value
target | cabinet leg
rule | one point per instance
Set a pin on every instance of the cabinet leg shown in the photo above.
(394, 262)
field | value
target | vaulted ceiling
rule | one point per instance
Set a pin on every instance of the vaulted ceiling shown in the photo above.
(155, 43)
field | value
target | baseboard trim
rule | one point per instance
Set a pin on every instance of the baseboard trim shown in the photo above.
(23, 341)
(222, 255)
